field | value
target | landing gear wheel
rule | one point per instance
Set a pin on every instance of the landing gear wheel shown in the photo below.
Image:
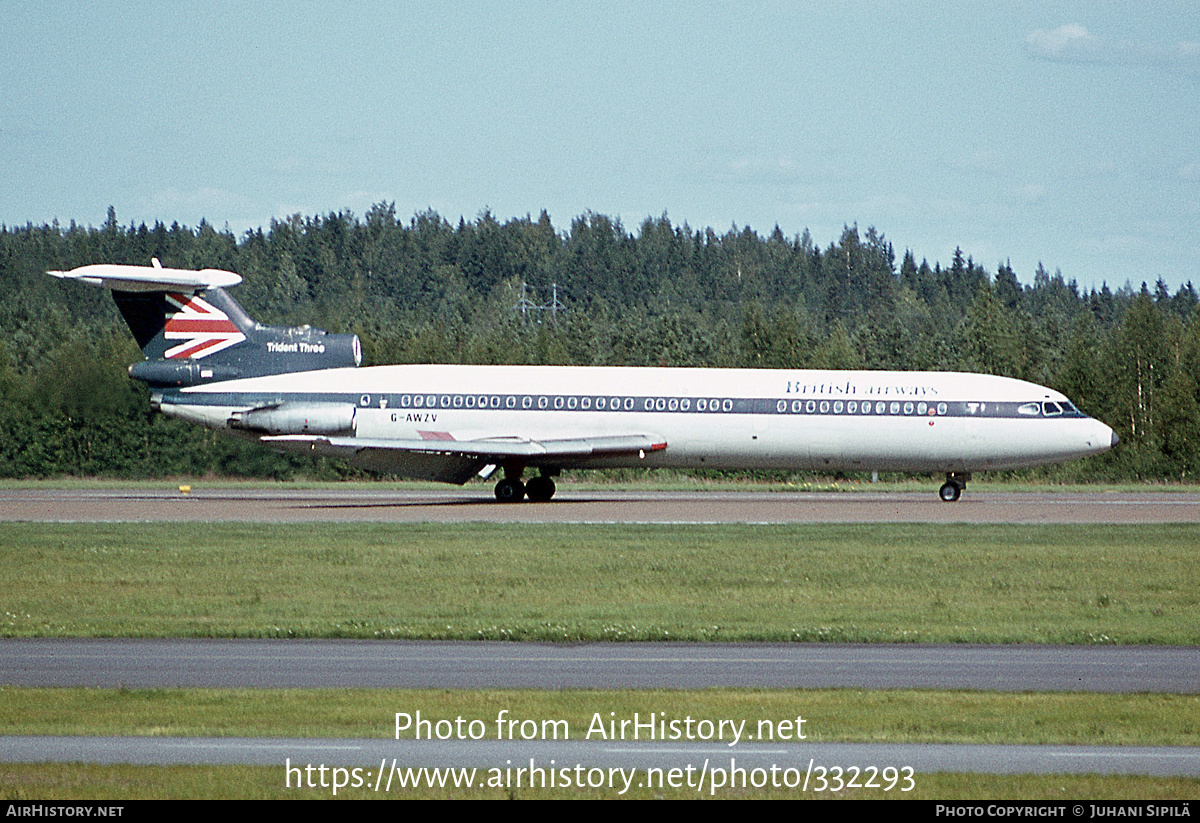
(510, 491)
(950, 492)
(540, 489)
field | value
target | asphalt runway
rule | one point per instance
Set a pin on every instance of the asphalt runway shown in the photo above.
(475, 503)
(714, 757)
(150, 663)
(396, 664)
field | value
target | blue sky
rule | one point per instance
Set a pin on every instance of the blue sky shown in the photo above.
(1061, 132)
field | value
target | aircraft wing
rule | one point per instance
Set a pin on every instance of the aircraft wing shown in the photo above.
(456, 461)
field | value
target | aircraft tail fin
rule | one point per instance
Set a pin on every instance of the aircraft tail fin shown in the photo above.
(183, 324)
(191, 331)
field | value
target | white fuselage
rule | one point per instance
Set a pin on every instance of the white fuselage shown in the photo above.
(708, 418)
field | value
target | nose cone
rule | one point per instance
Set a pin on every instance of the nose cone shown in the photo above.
(1102, 438)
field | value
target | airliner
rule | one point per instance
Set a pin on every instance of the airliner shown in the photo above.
(301, 390)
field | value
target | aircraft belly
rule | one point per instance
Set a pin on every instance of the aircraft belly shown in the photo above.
(727, 442)
(873, 444)
(418, 466)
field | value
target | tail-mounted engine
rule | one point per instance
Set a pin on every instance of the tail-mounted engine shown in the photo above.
(296, 418)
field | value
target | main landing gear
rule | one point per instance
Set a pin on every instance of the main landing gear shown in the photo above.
(511, 490)
(953, 488)
(540, 489)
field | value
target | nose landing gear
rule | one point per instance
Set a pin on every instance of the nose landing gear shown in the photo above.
(954, 485)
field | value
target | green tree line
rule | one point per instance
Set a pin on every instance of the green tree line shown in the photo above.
(427, 290)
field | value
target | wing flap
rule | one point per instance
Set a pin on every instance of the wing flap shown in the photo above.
(456, 461)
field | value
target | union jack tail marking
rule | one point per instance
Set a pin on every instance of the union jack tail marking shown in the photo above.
(204, 328)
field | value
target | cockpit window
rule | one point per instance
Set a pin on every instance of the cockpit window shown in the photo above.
(1051, 409)
(1031, 409)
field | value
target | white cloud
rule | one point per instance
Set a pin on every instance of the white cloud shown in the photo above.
(1069, 43)
(1073, 43)
(1030, 193)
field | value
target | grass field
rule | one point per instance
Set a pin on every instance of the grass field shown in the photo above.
(844, 715)
(75, 781)
(856, 583)
(831, 714)
(120, 783)
(880, 583)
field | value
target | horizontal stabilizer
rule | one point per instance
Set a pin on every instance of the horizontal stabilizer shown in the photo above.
(150, 278)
